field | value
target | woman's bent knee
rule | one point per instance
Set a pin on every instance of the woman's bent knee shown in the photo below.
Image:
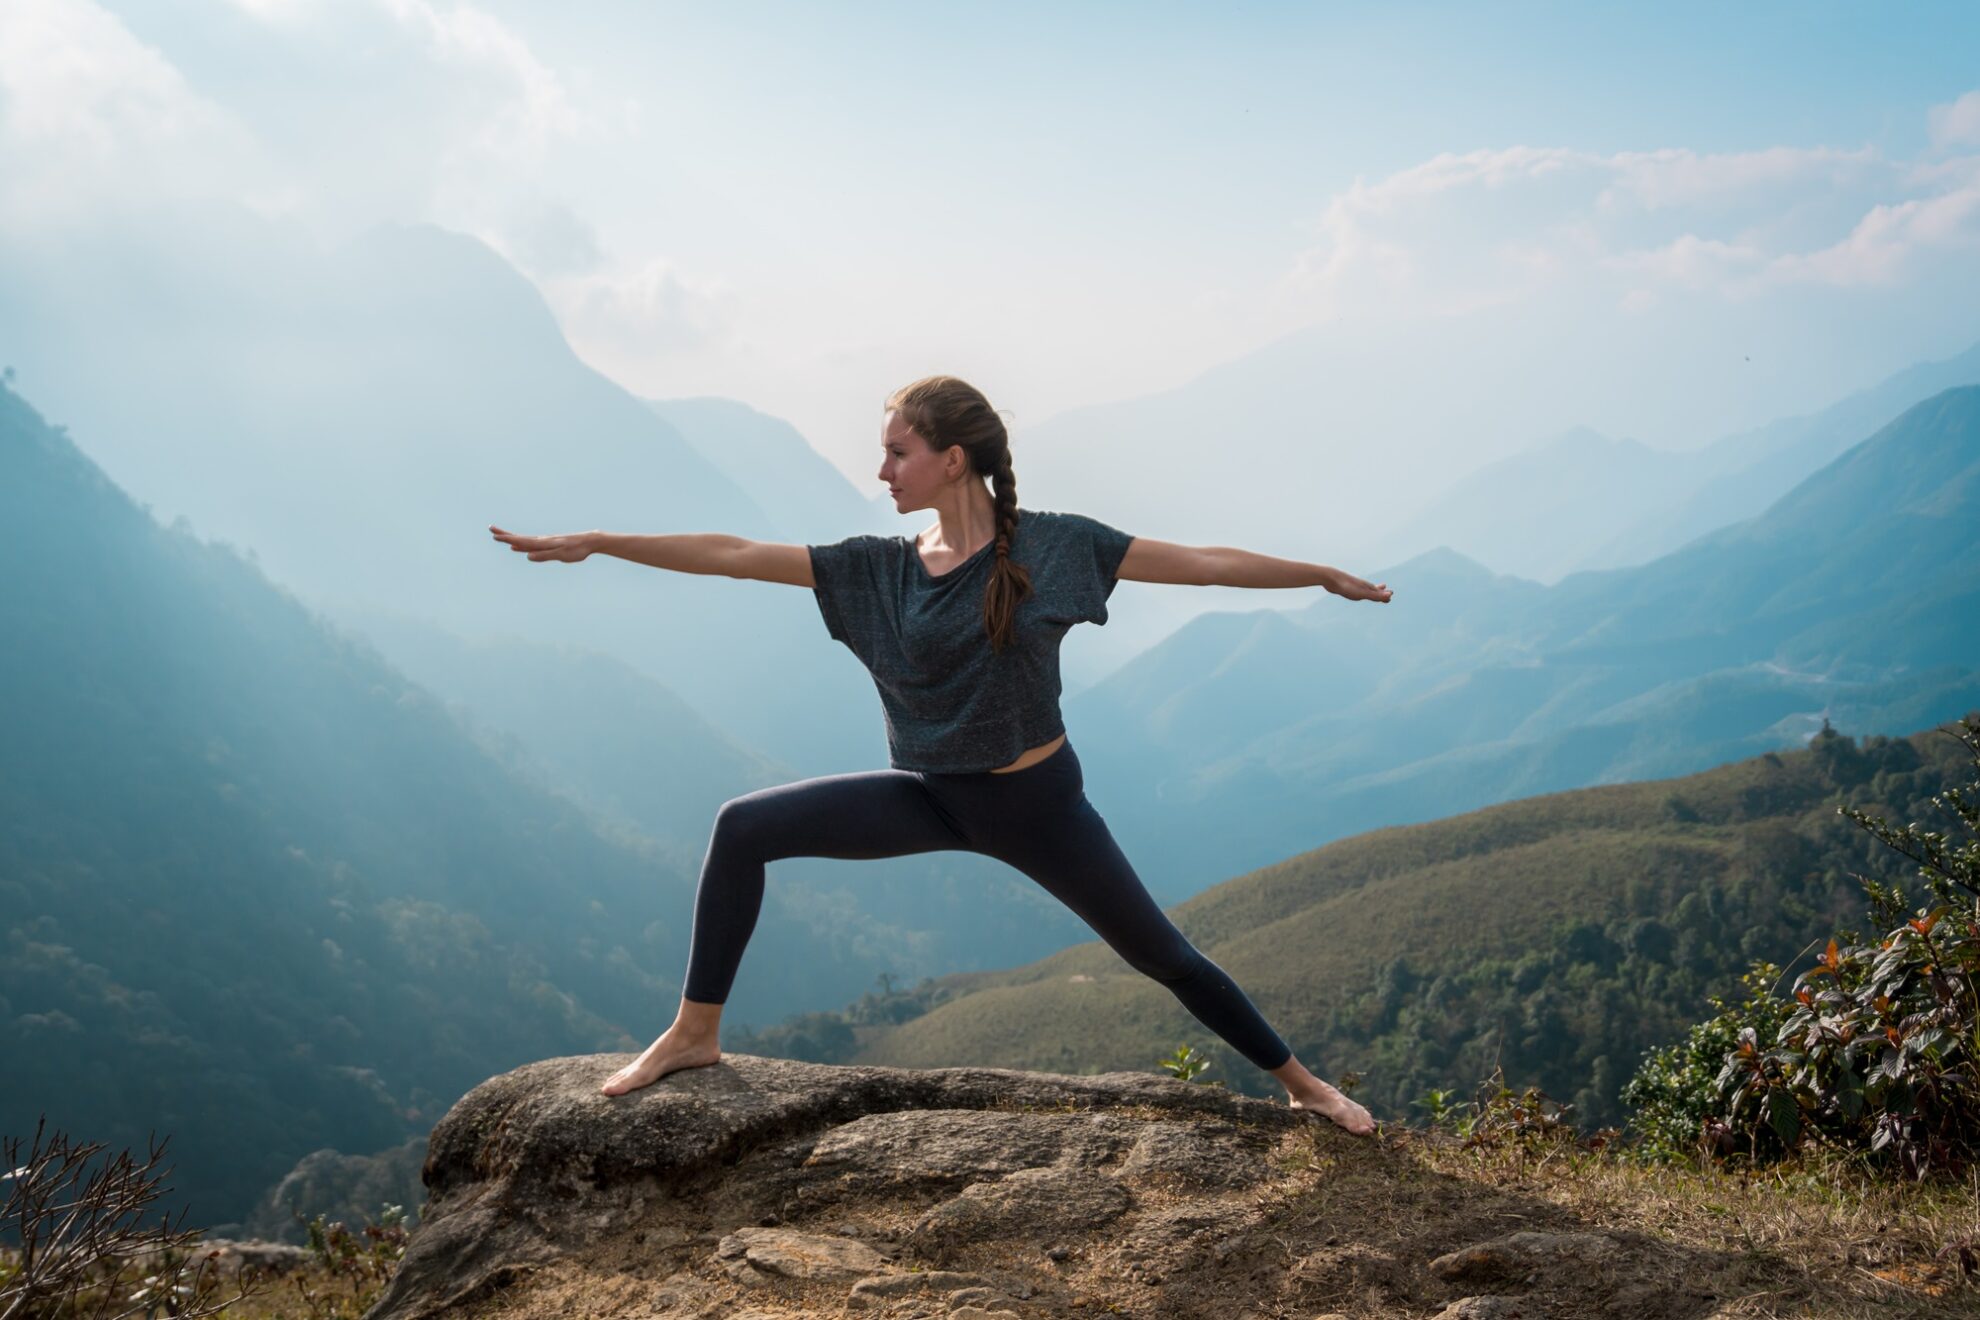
(738, 821)
(1170, 966)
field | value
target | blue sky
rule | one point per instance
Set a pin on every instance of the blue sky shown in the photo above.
(803, 205)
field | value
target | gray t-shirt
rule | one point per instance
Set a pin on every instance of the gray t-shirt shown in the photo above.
(953, 705)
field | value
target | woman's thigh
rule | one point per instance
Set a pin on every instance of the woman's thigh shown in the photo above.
(1072, 854)
(857, 816)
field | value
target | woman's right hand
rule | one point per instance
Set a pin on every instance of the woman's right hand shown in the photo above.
(570, 548)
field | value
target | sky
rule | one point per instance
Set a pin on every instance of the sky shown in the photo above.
(803, 206)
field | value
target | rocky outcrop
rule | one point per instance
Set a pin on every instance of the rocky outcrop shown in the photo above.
(762, 1188)
(890, 1172)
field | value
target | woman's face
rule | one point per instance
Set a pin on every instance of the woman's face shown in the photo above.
(914, 473)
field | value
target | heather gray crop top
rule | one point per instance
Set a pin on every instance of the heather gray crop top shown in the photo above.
(953, 705)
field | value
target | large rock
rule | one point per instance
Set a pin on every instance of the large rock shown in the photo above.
(711, 1171)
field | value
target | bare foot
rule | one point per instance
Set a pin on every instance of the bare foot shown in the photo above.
(674, 1050)
(1324, 1099)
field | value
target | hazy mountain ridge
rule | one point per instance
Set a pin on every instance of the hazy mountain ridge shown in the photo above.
(1553, 508)
(1846, 599)
(356, 416)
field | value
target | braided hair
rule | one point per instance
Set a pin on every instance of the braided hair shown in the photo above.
(946, 411)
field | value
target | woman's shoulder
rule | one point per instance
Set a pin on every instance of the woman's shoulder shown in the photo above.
(1049, 521)
(1059, 526)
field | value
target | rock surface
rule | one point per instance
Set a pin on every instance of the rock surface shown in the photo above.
(709, 1163)
(769, 1188)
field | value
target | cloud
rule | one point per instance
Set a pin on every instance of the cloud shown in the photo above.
(1890, 243)
(1690, 261)
(641, 310)
(1498, 226)
(348, 113)
(1673, 177)
(538, 110)
(90, 115)
(1957, 124)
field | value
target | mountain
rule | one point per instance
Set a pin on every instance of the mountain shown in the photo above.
(1561, 935)
(586, 725)
(1754, 468)
(1852, 598)
(1585, 501)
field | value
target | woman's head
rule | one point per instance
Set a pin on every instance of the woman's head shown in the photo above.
(941, 431)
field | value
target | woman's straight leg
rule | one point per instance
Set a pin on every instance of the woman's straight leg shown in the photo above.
(862, 815)
(875, 813)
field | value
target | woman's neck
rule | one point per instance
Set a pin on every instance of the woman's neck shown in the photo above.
(966, 521)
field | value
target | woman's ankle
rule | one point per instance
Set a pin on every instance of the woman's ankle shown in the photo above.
(698, 1024)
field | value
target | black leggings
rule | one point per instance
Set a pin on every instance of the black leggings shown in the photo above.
(1036, 819)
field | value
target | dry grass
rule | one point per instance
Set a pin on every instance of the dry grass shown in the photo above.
(1839, 1241)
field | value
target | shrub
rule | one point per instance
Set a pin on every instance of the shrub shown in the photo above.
(82, 1244)
(1672, 1097)
(1875, 1050)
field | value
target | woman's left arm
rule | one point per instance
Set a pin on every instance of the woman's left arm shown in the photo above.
(1223, 566)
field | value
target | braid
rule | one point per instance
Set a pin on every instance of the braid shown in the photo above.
(1010, 584)
(1003, 486)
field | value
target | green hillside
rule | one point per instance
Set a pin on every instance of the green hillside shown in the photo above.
(1561, 935)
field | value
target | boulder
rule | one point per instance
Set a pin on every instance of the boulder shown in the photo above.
(536, 1164)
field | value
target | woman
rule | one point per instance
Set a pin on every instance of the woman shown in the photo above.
(960, 628)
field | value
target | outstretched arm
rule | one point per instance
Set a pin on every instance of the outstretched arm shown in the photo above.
(1222, 566)
(684, 552)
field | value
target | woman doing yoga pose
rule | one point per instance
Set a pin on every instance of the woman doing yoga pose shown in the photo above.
(960, 628)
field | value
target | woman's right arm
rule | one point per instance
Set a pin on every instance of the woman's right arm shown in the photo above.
(684, 552)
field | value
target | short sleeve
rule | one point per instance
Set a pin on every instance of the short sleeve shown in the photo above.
(843, 582)
(1093, 553)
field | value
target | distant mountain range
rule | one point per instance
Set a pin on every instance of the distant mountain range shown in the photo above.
(1583, 500)
(1856, 597)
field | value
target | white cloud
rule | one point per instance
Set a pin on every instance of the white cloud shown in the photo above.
(1890, 242)
(349, 113)
(274, 11)
(1690, 261)
(91, 116)
(641, 310)
(538, 112)
(1497, 226)
(1676, 177)
(1957, 124)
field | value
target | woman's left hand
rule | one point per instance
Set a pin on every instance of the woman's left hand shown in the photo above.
(1354, 588)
